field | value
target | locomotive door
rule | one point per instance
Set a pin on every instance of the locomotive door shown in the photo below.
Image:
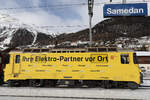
(16, 67)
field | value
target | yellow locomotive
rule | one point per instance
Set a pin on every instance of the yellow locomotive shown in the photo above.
(103, 67)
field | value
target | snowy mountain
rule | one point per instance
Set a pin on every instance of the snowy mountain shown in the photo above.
(123, 32)
(13, 33)
(126, 32)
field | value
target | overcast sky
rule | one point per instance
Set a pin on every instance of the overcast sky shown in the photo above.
(59, 14)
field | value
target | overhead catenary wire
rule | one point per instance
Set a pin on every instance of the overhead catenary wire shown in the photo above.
(61, 5)
(58, 7)
(53, 26)
(45, 6)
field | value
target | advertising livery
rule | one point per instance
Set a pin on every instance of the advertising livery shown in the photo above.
(80, 66)
(95, 58)
(138, 9)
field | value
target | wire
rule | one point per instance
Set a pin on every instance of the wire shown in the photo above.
(55, 26)
(62, 5)
(62, 26)
(50, 6)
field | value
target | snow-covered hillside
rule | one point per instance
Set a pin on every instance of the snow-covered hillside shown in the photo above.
(14, 33)
(130, 33)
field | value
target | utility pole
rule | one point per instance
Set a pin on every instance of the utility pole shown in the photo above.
(124, 1)
(90, 8)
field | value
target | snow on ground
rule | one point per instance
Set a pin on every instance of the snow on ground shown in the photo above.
(146, 83)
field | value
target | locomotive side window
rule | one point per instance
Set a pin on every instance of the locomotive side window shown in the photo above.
(36, 50)
(17, 58)
(124, 58)
(45, 50)
(92, 49)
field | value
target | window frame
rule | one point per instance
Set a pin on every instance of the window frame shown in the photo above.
(124, 58)
(17, 59)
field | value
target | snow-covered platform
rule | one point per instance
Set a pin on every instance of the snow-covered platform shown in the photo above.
(85, 93)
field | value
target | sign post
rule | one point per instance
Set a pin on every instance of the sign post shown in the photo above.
(90, 8)
(124, 1)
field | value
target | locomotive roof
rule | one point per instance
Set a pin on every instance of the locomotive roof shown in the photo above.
(70, 50)
(67, 50)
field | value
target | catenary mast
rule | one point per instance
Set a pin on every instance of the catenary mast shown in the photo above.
(90, 9)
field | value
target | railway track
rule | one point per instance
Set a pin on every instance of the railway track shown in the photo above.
(74, 93)
(68, 93)
(144, 85)
(63, 97)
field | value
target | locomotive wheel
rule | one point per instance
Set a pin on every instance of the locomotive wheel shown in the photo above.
(32, 83)
(106, 84)
(46, 83)
(77, 83)
(24, 83)
(35, 83)
(50, 83)
(92, 84)
(10, 83)
(13, 83)
(133, 85)
(1, 79)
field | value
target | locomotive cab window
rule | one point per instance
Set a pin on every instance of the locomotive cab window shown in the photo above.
(135, 59)
(17, 58)
(124, 58)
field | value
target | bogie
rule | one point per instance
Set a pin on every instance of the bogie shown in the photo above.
(132, 85)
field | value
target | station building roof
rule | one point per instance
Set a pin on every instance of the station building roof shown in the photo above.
(143, 53)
